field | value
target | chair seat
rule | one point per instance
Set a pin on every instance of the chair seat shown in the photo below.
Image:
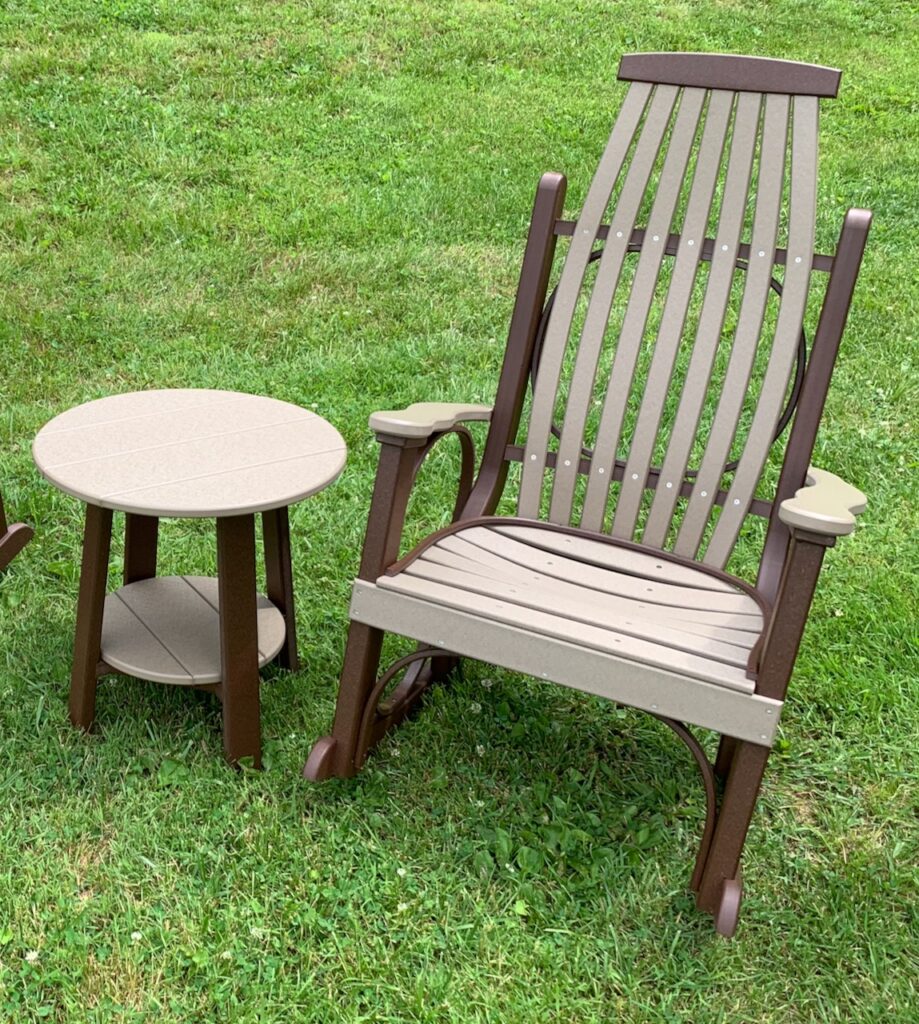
(590, 613)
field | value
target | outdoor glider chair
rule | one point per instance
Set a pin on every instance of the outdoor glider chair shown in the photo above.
(13, 538)
(662, 388)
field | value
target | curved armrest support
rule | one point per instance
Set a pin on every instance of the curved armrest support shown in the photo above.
(422, 419)
(825, 505)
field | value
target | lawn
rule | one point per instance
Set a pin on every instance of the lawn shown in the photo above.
(327, 202)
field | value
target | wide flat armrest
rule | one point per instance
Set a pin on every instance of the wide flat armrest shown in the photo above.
(825, 505)
(425, 418)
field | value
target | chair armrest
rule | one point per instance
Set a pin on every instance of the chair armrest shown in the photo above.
(824, 505)
(425, 418)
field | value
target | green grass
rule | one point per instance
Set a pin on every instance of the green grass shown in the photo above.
(326, 202)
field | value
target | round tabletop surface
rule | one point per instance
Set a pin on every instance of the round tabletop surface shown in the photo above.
(189, 453)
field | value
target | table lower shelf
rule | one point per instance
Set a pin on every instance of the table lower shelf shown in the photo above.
(167, 630)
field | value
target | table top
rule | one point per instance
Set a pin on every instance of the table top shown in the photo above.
(189, 452)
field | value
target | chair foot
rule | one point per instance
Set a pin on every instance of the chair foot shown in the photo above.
(727, 909)
(320, 765)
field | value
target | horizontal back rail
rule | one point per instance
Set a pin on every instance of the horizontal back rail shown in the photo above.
(821, 261)
(759, 507)
(731, 72)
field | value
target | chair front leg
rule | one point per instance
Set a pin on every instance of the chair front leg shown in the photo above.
(334, 755)
(721, 889)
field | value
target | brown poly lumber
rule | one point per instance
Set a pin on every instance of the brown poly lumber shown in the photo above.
(190, 453)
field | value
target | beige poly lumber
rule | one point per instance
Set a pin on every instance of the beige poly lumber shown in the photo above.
(167, 630)
(189, 453)
(825, 505)
(425, 418)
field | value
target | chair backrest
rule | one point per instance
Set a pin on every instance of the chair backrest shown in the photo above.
(685, 361)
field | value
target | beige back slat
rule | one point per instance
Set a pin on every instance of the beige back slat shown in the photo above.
(711, 317)
(749, 326)
(572, 275)
(638, 307)
(676, 307)
(608, 273)
(802, 216)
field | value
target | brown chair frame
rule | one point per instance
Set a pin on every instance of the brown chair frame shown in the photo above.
(13, 538)
(802, 524)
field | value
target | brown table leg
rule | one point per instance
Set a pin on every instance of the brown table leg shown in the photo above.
(97, 537)
(279, 574)
(238, 638)
(140, 537)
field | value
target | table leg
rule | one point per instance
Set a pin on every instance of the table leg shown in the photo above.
(238, 638)
(97, 538)
(279, 574)
(140, 537)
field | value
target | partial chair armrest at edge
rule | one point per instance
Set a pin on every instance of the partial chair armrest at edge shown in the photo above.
(825, 505)
(13, 538)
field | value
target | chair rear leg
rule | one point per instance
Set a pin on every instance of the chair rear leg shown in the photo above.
(720, 889)
(726, 748)
(335, 755)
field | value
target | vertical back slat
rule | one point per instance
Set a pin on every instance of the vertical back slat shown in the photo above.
(638, 307)
(607, 280)
(802, 214)
(711, 317)
(676, 306)
(572, 275)
(749, 326)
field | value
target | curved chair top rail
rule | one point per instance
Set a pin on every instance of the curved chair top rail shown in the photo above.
(727, 71)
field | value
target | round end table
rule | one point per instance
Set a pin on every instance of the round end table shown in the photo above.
(199, 454)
